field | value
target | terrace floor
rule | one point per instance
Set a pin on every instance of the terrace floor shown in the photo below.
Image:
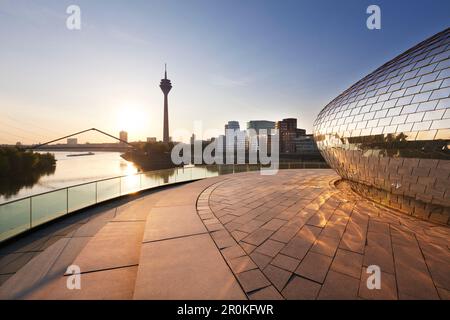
(294, 235)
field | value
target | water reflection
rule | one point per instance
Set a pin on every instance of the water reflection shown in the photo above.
(10, 186)
(69, 171)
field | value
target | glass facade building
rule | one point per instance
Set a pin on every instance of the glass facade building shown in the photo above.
(388, 135)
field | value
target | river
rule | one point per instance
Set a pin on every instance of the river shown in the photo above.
(75, 170)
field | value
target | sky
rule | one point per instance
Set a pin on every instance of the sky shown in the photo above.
(227, 59)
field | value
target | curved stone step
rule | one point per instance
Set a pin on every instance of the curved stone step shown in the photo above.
(178, 257)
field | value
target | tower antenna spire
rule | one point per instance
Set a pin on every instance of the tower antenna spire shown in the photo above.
(166, 86)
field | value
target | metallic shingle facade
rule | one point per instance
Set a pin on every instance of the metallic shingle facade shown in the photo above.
(389, 133)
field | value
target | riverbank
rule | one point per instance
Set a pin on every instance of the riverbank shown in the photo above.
(18, 163)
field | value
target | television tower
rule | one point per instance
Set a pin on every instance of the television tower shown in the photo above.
(165, 86)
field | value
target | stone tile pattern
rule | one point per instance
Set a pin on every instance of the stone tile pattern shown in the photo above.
(295, 235)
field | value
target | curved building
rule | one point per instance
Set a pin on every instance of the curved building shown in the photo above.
(388, 135)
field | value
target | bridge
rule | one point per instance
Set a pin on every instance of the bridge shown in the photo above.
(122, 146)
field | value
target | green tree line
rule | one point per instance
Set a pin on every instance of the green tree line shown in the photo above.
(15, 162)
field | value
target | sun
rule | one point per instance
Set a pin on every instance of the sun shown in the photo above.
(132, 118)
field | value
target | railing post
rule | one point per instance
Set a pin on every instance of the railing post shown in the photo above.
(31, 211)
(67, 200)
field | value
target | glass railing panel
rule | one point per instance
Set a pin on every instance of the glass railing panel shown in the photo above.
(240, 168)
(283, 165)
(14, 218)
(108, 189)
(82, 196)
(198, 172)
(184, 174)
(130, 184)
(225, 169)
(48, 206)
(253, 167)
(167, 176)
(211, 171)
(151, 179)
(171, 174)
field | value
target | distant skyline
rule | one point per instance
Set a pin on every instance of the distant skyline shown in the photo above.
(228, 60)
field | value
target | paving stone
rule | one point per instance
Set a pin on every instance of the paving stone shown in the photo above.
(333, 231)
(443, 294)
(250, 226)
(232, 226)
(413, 278)
(339, 286)
(171, 222)
(380, 256)
(387, 291)
(438, 261)
(376, 226)
(233, 252)
(176, 269)
(277, 276)
(270, 248)
(211, 221)
(274, 224)
(4, 277)
(214, 227)
(401, 237)
(348, 262)
(353, 243)
(136, 210)
(67, 256)
(297, 248)
(90, 229)
(115, 284)
(267, 293)
(242, 264)
(225, 242)
(260, 259)
(238, 235)
(325, 245)
(285, 233)
(309, 233)
(314, 266)
(17, 286)
(319, 219)
(227, 218)
(258, 237)
(253, 280)
(116, 245)
(285, 262)
(301, 289)
(12, 262)
(248, 248)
